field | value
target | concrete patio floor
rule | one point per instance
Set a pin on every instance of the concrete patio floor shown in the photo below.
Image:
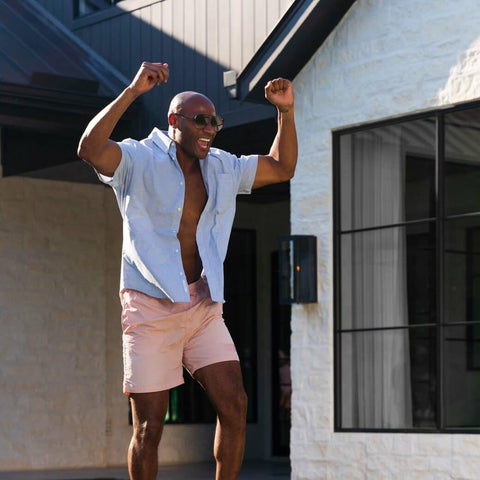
(251, 470)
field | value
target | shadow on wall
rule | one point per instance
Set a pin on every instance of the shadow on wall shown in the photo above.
(124, 39)
(151, 33)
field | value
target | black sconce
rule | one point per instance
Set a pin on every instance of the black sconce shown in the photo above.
(298, 269)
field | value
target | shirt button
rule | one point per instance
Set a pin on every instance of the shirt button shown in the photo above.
(181, 274)
(181, 183)
(176, 250)
(179, 209)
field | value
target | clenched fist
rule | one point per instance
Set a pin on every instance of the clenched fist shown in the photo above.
(279, 92)
(149, 75)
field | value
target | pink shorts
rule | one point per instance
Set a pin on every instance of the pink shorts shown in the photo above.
(160, 336)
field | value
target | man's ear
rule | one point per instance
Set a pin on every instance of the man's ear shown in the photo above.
(171, 119)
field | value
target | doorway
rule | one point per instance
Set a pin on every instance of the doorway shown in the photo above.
(281, 378)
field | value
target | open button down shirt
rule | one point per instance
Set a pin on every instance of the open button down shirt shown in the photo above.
(150, 189)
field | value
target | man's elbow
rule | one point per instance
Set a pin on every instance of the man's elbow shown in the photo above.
(85, 153)
(82, 150)
(288, 173)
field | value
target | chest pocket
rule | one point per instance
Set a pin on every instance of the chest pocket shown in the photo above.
(225, 194)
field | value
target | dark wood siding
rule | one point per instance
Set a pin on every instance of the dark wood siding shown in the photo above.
(200, 39)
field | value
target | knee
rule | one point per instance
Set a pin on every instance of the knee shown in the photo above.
(234, 406)
(148, 433)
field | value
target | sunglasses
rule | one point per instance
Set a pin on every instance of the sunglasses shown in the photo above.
(201, 120)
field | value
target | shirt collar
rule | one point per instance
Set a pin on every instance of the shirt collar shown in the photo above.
(163, 141)
(167, 145)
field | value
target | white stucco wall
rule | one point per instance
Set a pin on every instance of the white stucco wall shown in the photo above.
(386, 58)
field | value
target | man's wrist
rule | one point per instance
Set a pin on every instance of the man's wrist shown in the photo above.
(131, 92)
(284, 109)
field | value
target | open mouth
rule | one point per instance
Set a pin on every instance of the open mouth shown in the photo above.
(204, 142)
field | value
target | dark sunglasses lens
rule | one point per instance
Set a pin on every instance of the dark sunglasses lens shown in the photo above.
(200, 120)
(203, 120)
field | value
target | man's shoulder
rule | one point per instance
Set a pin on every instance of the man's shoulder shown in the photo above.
(220, 158)
(132, 143)
(224, 160)
(146, 147)
(156, 137)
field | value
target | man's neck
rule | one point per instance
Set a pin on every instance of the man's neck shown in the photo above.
(187, 163)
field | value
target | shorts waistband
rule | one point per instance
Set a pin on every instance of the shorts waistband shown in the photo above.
(199, 286)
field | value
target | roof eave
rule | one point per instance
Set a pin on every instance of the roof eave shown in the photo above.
(49, 109)
(297, 36)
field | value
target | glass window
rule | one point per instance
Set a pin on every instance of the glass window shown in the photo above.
(462, 162)
(407, 243)
(84, 7)
(388, 174)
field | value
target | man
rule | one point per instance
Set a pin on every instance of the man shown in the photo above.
(177, 199)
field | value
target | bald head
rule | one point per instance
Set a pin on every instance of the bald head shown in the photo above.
(183, 100)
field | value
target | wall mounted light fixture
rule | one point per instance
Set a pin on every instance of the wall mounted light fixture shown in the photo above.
(298, 269)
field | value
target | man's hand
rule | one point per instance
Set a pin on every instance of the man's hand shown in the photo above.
(149, 75)
(279, 92)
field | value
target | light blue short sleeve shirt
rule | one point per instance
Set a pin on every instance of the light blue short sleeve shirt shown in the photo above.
(150, 187)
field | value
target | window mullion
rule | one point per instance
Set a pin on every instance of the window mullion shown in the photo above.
(440, 227)
(337, 281)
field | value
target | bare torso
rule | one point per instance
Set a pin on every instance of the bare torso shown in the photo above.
(195, 200)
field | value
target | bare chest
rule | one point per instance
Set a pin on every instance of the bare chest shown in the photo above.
(194, 203)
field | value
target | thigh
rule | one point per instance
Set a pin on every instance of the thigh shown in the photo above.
(223, 383)
(149, 408)
(153, 340)
(210, 341)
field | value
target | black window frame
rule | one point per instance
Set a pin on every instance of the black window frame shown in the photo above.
(439, 221)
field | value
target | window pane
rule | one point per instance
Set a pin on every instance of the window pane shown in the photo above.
(388, 378)
(387, 174)
(462, 162)
(84, 7)
(388, 277)
(462, 376)
(462, 270)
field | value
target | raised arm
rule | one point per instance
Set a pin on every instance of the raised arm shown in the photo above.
(95, 146)
(279, 164)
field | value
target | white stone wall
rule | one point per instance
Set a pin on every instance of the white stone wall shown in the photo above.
(386, 58)
(52, 317)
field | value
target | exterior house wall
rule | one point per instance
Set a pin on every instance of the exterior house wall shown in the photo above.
(198, 39)
(386, 58)
(52, 312)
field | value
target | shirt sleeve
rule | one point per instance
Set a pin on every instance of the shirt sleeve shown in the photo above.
(245, 169)
(122, 174)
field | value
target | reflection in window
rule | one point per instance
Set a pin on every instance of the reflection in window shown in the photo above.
(84, 7)
(407, 240)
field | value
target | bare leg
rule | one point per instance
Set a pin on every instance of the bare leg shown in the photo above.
(224, 386)
(148, 411)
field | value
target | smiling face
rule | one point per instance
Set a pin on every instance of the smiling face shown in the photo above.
(192, 141)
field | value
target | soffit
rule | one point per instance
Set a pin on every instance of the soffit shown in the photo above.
(38, 51)
(294, 40)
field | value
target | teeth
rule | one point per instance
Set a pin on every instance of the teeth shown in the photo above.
(204, 139)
